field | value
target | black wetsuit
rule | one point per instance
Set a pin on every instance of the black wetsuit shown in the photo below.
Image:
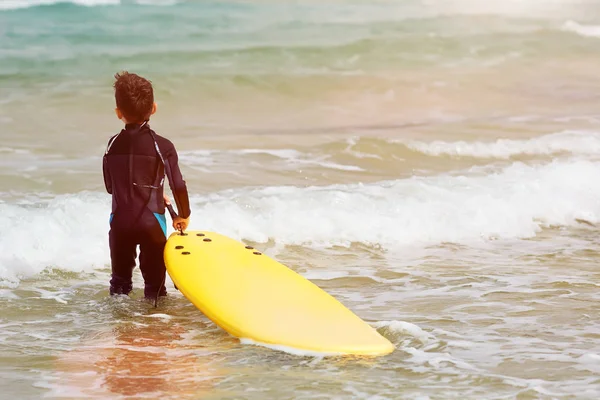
(134, 167)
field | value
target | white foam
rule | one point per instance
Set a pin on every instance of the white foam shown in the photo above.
(288, 154)
(71, 231)
(157, 2)
(590, 362)
(15, 151)
(438, 360)
(582, 30)
(289, 159)
(295, 158)
(160, 316)
(58, 296)
(403, 327)
(289, 350)
(199, 160)
(8, 294)
(515, 202)
(574, 142)
(16, 4)
(352, 142)
(332, 165)
(316, 274)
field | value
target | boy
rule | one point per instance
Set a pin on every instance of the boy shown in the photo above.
(134, 167)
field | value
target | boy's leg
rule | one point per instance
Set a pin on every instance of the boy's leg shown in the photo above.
(152, 263)
(122, 258)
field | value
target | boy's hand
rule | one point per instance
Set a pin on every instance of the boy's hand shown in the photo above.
(181, 223)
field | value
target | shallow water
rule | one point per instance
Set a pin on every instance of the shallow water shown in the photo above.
(433, 165)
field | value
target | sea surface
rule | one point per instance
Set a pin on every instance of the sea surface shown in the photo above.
(434, 165)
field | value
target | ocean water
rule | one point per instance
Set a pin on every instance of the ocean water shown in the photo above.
(434, 165)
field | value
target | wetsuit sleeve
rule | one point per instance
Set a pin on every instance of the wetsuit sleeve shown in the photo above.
(106, 173)
(176, 183)
(105, 170)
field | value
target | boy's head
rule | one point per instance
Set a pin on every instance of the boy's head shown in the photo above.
(134, 97)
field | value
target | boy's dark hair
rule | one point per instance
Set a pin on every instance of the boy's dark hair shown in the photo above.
(134, 96)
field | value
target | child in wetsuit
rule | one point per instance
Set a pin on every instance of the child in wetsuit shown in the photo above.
(134, 167)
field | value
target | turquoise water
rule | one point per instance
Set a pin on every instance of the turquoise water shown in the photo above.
(276, 65)
(432, 164)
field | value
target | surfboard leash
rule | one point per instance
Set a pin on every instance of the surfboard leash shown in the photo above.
(174, 215)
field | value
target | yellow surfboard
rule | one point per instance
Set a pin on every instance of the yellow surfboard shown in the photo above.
(254, 297)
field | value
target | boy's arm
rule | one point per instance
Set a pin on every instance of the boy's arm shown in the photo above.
(177, 184)
(106, 173)
(105, 170)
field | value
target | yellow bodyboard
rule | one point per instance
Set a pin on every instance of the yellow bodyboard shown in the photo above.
(254, 297)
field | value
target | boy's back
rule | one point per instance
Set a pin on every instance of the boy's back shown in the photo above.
(134, 172)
